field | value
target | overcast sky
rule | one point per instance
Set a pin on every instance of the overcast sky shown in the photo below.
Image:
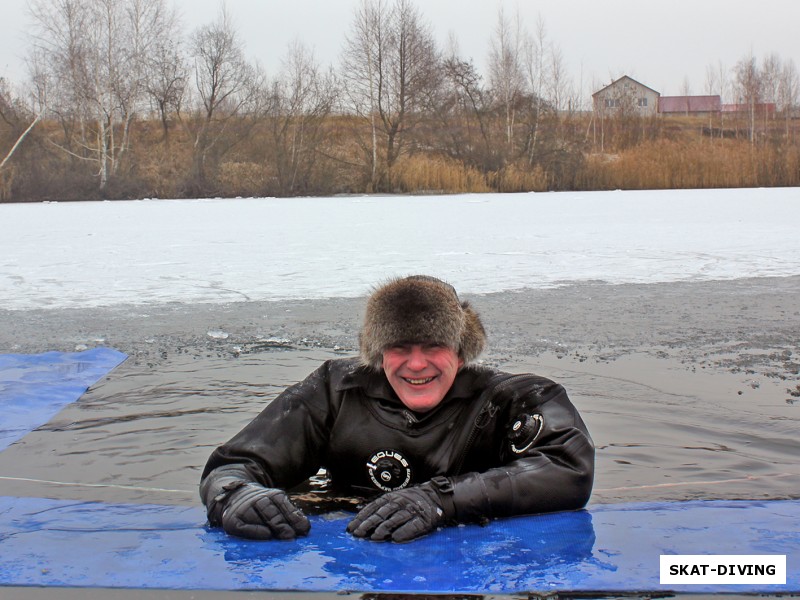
(661, 44)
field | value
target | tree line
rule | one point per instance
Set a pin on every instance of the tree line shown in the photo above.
(120, 103)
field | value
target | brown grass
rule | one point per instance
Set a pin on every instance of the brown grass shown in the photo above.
(675, 153)
(433, 174)
(521, 178)
(703, 163)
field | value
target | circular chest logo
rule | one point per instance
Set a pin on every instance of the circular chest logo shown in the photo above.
(389, 470)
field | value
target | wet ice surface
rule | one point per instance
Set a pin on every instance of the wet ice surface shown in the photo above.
(105, 253)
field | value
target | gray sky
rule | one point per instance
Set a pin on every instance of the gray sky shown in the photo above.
(659, 44)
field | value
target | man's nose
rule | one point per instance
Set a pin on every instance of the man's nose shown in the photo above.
(416, 358)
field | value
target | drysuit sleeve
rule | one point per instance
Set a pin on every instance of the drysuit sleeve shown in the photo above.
(284, 445)
(546, 456)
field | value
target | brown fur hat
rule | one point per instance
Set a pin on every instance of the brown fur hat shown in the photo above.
(420, 310)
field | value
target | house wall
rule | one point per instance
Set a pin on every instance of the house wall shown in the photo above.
(626, 94)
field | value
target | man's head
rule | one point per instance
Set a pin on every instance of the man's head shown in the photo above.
(415, 329)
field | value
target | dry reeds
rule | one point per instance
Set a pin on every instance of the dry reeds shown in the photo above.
(669, 164)
(242, 178)
(516, 178)
(426, 174)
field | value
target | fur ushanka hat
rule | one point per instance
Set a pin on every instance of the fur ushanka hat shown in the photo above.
(419, 310)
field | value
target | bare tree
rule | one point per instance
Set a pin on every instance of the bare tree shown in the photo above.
(711, 80)
(771, 68)
(530, 87)
(464, 114)
(20, 138)
(547, 102)
(229, 88)
(390, 66)
(414, 69)
(749, 89)
(303, 97)
(559, 93)
(506, 75)
(89, 61)
(548, 88)
(167, 72)
(789, 93)
(686, 92)
(536, 65)
(723, 81)
(718, 83)
(363, 48)
(17, 123)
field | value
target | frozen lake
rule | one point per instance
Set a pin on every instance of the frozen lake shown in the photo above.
(56, 255)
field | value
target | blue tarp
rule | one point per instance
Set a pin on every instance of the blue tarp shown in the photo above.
(47, 542)
(608, 548)
(35, 387)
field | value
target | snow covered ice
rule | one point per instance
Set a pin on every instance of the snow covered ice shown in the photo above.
(57, 255)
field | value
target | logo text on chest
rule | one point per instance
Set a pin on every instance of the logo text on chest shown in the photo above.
(389, 470)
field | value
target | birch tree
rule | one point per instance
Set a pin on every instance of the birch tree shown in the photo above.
(718, 83)
(17, 124)
(771, 68)
(390, 67)
(536, 75)
(749, 89)
(364, 47)
(229, 89)
(465, 115)
(789, 93)
(302, 99)
(92, 54)
(506, 76)
(167, 73)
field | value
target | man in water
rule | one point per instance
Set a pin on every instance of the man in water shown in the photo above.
(413, 424)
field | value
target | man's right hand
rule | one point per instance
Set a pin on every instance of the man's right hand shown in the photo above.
(258, 513)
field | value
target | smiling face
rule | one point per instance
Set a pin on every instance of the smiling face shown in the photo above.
(420, 374)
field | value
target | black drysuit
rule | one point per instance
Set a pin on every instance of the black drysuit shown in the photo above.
(497, 445)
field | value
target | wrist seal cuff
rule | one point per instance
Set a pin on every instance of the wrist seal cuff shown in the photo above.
(444, 489)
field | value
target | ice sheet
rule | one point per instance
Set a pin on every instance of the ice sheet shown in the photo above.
(107, 253)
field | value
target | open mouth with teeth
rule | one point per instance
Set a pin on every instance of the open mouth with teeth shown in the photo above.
(422, 381)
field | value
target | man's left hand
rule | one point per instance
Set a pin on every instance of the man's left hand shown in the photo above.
(401, 516)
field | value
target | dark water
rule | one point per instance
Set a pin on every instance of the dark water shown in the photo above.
(662, 431)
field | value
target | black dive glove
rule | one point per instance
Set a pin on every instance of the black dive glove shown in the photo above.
(249, 510)
(406, 514)
(260, 513)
